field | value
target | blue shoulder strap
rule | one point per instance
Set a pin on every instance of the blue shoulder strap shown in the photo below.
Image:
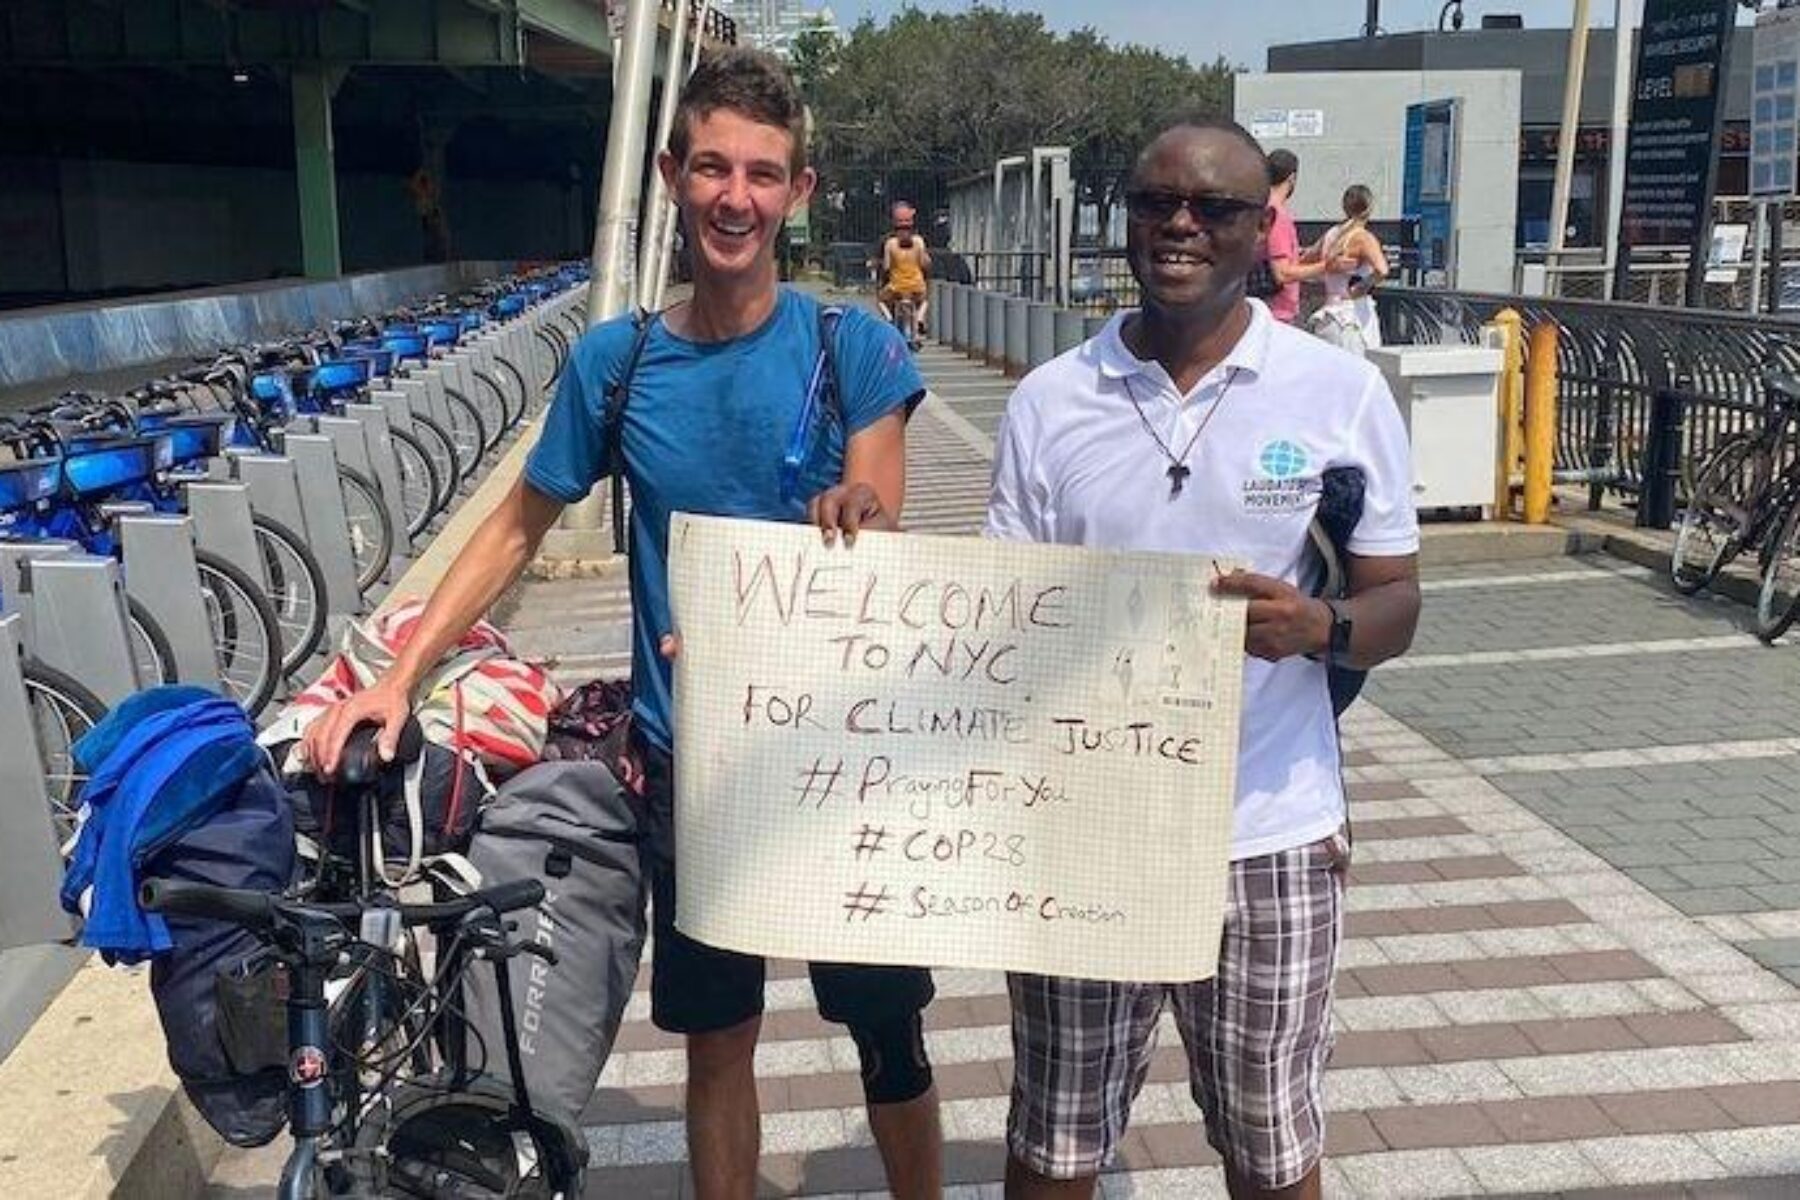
(821, 397)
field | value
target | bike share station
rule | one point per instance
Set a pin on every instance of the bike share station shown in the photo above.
(67, 610)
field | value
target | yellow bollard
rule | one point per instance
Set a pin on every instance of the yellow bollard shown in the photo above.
(1540, 422)
(1509, 405)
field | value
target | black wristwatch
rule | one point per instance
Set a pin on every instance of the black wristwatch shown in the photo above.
(1338, 647)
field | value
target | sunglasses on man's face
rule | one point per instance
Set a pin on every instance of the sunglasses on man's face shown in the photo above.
(1208, 209)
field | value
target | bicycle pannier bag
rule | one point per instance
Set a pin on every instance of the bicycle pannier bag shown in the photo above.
(572, 826)
(219, 999)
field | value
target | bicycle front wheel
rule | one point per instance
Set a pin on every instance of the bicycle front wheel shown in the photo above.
(558, 351)
(517, 379)
(419, 487)
(150, 649)
(61, 712)
(370, 531)
(295, 585)
(441, 446)
(423, 1140)
(1778, 601)
(468, 431)
(490, 402)
(246, 633)
(1712, 526)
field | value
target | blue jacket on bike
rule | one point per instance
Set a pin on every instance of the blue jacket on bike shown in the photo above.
(160, 763)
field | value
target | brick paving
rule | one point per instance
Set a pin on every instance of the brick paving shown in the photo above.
(1574, 934)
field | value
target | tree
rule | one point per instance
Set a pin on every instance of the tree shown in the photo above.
(813, 57)
(955, 91)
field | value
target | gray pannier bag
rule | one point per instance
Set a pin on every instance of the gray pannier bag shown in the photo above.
(572, 826)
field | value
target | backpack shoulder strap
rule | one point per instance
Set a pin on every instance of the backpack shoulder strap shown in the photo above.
(618, 395)
(830, 315)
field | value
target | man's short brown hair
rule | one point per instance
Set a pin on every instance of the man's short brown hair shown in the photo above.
(752, 84)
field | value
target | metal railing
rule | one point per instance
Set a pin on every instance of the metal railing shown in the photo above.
(1024, 273)
(1100, 278)
(1612, 361)
(1585, 275)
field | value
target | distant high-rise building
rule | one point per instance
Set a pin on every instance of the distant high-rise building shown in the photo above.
(773, 25)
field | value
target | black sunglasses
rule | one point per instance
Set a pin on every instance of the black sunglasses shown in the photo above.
(1207, 209)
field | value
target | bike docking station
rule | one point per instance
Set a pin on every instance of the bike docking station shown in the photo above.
(162, 576)
(459, 367)
(79, 624)
(15, 586)
(224, 523)
(327, 524)
(274, 489)
(513, 347)
(30, 866)
(423, 388)
(350, 441)
(397, 410)
(371, 421)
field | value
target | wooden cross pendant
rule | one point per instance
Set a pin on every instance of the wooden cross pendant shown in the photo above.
(1178, 474)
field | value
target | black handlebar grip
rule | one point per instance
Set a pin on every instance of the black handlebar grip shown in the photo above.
(512, 895)
(360, 764)
(177, 898)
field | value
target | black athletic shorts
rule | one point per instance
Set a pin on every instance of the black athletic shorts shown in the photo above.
(695, 988)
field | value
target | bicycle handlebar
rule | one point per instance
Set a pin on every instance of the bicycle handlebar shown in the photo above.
(360, 763)
(259, 912)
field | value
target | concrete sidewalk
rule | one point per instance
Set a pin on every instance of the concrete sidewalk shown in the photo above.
(1575, 924)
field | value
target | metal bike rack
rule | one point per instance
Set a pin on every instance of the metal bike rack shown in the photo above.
(512, 342)
(30, 865)
(397, 407)
(438, 406)
(224, 524)
(424, 392)
(327, 525)
(78, 622)
(467, 362)
(274, 489)
(15, 596)
(384, 465)
(536, 353)
(457, 374)
(161, 575)
(490, 351)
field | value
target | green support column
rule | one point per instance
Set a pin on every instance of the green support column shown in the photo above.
(315, 169)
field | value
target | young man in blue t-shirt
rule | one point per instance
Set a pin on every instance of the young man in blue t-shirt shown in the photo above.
(714, 408)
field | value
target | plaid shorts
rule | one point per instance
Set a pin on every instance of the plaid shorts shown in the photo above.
(1257, 1034)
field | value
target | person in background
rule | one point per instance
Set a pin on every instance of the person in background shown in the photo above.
(1286, 270)
(905, 267)
(1356, 264)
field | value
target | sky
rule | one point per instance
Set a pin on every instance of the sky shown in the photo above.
(1240, 30)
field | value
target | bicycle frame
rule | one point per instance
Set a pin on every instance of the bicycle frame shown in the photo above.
(311, 941)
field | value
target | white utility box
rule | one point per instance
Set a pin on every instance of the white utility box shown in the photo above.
(1446, 396)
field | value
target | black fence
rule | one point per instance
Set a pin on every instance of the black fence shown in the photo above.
(856, 204)
(1613, 361)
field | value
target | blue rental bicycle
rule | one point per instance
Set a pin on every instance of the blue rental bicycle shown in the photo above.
(74, 497)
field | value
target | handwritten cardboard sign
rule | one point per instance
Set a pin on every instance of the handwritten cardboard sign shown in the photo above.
(952, 751)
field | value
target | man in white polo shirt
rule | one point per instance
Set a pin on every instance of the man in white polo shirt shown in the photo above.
(1200, 424)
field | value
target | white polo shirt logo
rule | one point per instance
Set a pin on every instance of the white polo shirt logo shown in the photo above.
(1283, 485)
